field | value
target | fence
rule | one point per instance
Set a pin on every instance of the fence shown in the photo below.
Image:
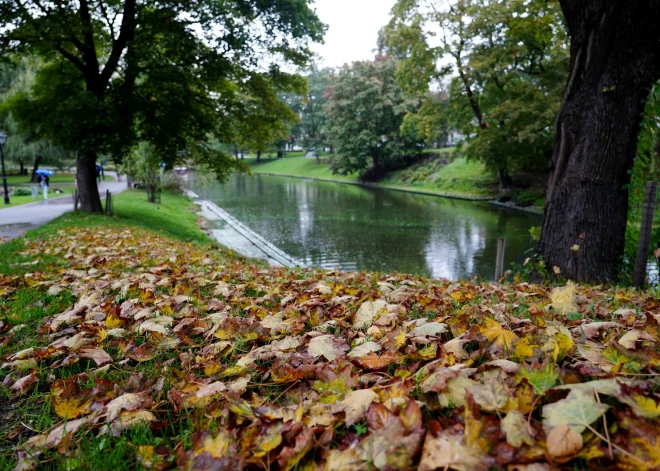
(643, 236)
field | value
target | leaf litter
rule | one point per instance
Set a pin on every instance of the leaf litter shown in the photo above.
(279, 368)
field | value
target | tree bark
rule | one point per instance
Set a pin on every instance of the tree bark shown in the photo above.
(615, 59)
(90, 202)
(35, 167)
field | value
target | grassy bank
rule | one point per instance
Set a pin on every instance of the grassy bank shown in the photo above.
(20, 200)
(132, 342)
(459, 178)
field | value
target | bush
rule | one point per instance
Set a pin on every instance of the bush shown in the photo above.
(21, 191)
(173, 183)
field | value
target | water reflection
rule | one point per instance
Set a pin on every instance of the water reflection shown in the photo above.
(353, 228)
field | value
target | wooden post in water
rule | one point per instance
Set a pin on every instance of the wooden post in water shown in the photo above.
(648, 212)
(499, 260)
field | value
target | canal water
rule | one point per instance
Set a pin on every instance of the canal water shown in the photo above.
(333, 225)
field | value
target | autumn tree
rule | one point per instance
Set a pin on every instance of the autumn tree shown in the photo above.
(615, 60)
(169, 73)
(366, 108)
(507, 61)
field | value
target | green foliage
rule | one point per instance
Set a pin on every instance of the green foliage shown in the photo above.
(510, 60)
(21, 192)
(173, 74)
(313, 115)
(23, 146)
(366, 109)
(646, 168)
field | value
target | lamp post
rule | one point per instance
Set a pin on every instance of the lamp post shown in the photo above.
(3, 140)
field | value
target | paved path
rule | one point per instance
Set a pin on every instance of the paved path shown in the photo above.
(17, 220)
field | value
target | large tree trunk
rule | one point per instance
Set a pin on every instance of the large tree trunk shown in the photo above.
(90, 202)
(614, 62)
(37, 162)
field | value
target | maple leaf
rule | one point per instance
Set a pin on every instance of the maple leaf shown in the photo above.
(327, 346)
(541, 380)
(515, 427)
(364, 348)
(563, 441)
(449, 452)
(563, 299)
(577, 411)
(369, 311)
(355, 404)
(24, 385)
(494, 332)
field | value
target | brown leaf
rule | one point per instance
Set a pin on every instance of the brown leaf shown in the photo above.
(99, 355)
(563, 441)
(25, 384)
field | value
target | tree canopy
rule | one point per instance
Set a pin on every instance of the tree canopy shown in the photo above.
(169, 73)
(509, 62)
(366, 108)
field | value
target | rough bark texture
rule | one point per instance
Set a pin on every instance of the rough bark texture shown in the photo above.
(615, 59)
(35, 167)
(90, 202)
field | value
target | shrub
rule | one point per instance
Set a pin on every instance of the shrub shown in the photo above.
(21, 191)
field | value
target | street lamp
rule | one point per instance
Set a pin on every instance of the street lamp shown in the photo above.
(3, 140)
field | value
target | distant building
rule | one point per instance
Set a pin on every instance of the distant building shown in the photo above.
(454, 137)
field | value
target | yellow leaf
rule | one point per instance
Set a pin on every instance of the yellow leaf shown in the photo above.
(563, 299)
(218, 446)
(71, 407)
(429, 352)
(494, 332)
(643, 406)
(524, 349)
(113, 321)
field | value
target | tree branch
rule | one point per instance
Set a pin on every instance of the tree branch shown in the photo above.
(71, 58)
(126, 33)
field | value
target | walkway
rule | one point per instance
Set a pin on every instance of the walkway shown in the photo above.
(17, 220)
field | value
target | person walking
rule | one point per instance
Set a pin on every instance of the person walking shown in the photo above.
(43, 182)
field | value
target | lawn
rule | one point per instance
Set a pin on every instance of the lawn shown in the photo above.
(19, 200)
(460, 177)
(57, 178)
(134, 342)
(299, 167)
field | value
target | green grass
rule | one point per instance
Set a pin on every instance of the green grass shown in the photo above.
(171, 218)
(57, 178)
(299, 167)
(19, 200)
(460, 177)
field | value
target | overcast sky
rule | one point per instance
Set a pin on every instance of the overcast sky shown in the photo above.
(352, 29)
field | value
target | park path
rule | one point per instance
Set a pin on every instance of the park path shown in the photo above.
(17, 220)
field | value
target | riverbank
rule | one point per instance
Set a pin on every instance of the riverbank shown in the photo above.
(459, 179)
(133, 342)
(456, 171)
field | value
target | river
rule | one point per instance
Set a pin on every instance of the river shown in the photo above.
(334, 225)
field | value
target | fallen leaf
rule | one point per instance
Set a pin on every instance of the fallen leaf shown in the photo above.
(563, 441)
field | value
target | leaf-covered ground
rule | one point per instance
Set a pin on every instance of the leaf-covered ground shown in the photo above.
(158, 354)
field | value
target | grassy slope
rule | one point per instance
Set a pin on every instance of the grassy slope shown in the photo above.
(19, 200)
(459, 178)
(171, 218)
